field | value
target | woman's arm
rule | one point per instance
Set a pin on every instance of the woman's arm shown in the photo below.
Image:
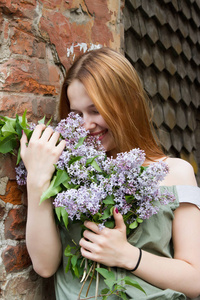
(183, 272)
(42, 236)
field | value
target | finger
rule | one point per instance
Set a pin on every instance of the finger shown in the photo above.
(119, 222)
(47, 134)
(87, 254)
(92, 226)
(37, 131)
(91, 236)
(23, 140)
(23, 144)
(61, 146)
(54, 138)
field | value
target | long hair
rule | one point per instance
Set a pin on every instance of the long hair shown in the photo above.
(116, 91)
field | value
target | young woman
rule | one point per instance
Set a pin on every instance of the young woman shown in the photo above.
(105, 90)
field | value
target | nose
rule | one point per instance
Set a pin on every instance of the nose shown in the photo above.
(89, 124)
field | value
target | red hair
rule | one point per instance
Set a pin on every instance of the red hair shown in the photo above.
(116, 91)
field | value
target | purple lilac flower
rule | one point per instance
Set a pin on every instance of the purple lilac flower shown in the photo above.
(81, 201)
(71, 128)
(119, 177)
(21, 173)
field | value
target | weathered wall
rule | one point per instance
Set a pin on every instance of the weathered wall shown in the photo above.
(38, 42)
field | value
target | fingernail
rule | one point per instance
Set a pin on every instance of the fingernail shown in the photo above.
(22, 131)
(116, 210)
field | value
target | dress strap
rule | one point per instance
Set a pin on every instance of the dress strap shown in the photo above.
(188, 194)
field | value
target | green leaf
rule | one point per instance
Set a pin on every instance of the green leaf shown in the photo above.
(48, 122)
(18, 127)
(119, 287)
(129, 198)
(61, 176)
(70, 186)
(8, 144)
(58, 212)
(123, 296)
(42, 121)
(139, 220)
(107, 212)
(68, 265)
(133, 225)
(74, 159)
(110, 224)
(96, 166)
(62, 213)
(9, 128)
(18, 156)
(64, 216)
(24, 120)
(51, 191)
(76, 272)
(133, 283)
(106, 274)
(80, 142)
(109, 282)
(109, 200)
(74, 260)
(142, 169)
(105, 291)
(67, 251)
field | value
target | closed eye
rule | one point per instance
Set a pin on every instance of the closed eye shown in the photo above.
(77, 112)
(95, 112)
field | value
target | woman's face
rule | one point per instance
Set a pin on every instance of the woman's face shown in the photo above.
(81, 104)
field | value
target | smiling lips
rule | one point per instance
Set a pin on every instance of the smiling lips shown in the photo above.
(100, 134)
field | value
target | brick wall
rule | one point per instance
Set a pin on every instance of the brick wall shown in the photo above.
(38, 42)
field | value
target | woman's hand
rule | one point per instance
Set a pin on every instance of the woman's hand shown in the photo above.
(41, 153)
(108, 246)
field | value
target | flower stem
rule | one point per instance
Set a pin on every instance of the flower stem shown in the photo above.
(92, 277)
(97, 282)
(85, 270)
(79, 295)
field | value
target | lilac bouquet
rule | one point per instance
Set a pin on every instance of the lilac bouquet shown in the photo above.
(88, 185)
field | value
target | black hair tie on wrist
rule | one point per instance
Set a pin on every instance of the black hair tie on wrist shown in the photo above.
(138, 262)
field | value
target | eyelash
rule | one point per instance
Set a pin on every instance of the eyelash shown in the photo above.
(95, 112)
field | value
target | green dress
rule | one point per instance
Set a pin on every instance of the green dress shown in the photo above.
(153, 235)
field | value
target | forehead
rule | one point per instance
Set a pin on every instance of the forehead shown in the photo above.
(78, 96)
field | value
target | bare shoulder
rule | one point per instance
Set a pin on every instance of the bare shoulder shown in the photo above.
(181, 172)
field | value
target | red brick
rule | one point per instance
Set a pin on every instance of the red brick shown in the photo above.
(36, 107)
(5, 24)
(10, 105)
(52, 4)
(100, 30)
(7, 166)
(16, 258)
(45, 107)
(26, 44)
(99, 9)
(19, 8)
(56, 28)
(13, 193)
(24, 25)
(28, 76)
(15, 224)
